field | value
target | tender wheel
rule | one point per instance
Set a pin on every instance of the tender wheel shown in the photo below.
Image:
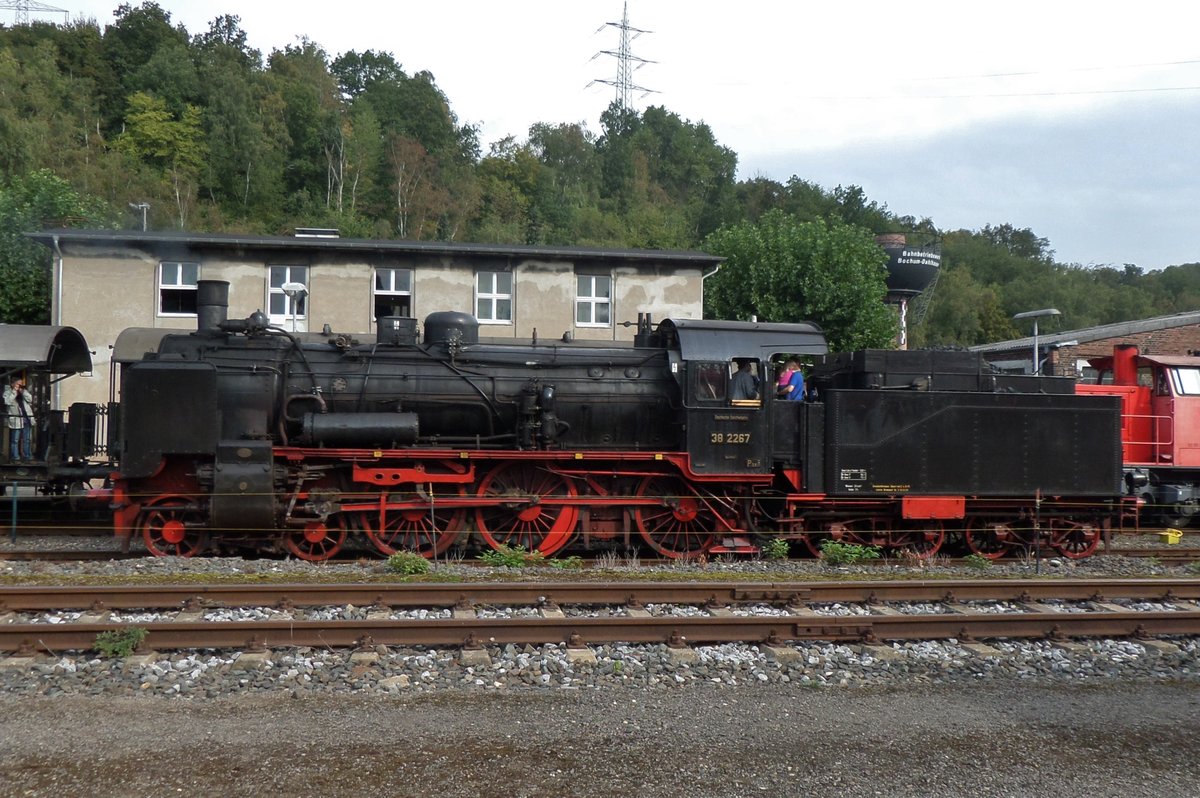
(922, 538)
(315, 541)
(1074, 539)
(172, 527)
(523, 519)
(990, 539)
(416, 529)
(683, 526)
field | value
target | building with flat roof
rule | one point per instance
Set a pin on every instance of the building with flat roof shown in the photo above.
(105, 281)
(1065, 354)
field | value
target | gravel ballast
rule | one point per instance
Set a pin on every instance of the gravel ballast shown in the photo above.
(1098, 718)
(1124, 741)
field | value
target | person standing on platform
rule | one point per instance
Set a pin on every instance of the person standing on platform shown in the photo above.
(20, 420)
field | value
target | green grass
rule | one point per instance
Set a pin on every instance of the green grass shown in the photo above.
(775, 549)
(120, 642)
(836, 553)
(408, 563)
(977, 561)
(511, 557)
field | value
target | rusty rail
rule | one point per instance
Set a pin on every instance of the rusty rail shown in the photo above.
(188, 630)
(23, 597)
(472, 632)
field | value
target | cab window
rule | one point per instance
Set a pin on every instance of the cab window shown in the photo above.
(709, 382)
(1187, 381)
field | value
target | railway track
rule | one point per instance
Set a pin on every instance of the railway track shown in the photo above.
(579, 614)
(1165, 555)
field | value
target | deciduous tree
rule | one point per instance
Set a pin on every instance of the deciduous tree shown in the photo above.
(785, 270)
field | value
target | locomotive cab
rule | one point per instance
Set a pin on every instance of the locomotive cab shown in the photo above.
(1160, 428)
(730, 429)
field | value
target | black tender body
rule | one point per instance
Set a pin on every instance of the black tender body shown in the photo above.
(934, 422)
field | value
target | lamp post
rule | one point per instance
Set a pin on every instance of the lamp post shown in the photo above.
(143, 207)
(1035, 315)
(295, 292)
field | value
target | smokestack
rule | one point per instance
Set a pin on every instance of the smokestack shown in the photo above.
(212, 305)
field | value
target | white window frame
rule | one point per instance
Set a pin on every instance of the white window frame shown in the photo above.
(489, 296)
(275, 294)
(171, 278)
(588, 303)
(387, 277)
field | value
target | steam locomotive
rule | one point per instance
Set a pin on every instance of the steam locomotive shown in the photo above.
(243, 434)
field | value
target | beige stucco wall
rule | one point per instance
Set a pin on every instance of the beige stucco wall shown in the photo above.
(104, 291)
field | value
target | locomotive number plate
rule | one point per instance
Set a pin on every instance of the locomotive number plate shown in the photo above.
(735, 438)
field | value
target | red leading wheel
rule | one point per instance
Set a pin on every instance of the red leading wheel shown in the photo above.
(315, 541)
(682, 525)
(522, 518)
(172, 526)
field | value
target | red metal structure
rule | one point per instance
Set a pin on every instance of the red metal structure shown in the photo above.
(1160, 429)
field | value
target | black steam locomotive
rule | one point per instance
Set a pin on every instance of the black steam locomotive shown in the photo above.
(244, 434)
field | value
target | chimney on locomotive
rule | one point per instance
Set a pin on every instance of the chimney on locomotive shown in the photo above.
(212, 305)
(645, 335)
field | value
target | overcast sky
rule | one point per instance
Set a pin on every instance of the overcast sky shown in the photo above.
(1078, 120)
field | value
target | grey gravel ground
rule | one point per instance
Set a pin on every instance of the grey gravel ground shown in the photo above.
(1106, 718)
(1122, 740)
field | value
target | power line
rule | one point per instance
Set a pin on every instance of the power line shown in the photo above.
(999, 94)
(627, 62)
(1033, 73)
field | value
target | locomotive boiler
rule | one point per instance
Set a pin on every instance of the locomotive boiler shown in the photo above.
(242, 434)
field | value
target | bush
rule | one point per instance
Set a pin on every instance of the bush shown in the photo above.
(511, 557)
(775, 549)
(120, 642)
(574, 562)
(977, 561)
(836, 553)
(408, 563)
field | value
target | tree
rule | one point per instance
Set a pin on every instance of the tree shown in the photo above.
(300, 74)
(356, 71)
(31, 202)
(785, 270)
(508, 178)
(666, 177)
(962, 312)
(129, 44)
(245, 132)
(174, 147)
(419, 196)
(568, 183)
